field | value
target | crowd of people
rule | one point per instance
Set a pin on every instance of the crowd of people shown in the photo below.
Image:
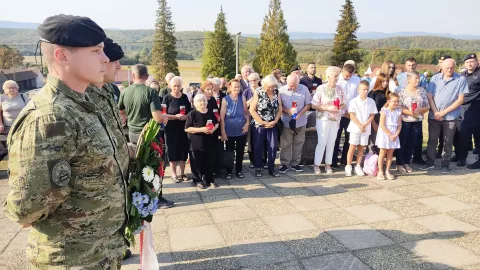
(70, 157)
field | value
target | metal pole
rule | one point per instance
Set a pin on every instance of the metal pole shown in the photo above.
(237, 52)
(13, 65)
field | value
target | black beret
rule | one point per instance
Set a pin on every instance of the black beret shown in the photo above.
(71, 31)
(112, 50)
(295, 68)
(469, 56)
(444, 57)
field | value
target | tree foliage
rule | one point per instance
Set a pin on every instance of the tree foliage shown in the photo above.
(275, 50)
(218, 57)
(345, 45)
(164, 52)
(9, 57)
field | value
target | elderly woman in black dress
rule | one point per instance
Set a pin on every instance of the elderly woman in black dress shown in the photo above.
(178, 106)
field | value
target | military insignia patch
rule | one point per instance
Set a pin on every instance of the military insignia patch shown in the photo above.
(61, 173)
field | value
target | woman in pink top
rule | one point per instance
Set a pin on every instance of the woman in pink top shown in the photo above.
(329, 102)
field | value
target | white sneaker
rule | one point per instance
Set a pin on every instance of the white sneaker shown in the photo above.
(348, 170)
(316, 169)
(359, 171)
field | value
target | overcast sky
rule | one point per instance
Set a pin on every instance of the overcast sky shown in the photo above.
(246, 16)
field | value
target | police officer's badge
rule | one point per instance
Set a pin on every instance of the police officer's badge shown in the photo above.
(61, 173)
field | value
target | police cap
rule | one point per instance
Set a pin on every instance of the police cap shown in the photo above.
(295, 68)
(444, 57)
(469, 56)
(71, 31)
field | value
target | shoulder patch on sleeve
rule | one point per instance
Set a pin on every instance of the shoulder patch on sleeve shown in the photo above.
(61, 173)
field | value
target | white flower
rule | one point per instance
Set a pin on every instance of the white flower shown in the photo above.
(156, 182)
(148, 174)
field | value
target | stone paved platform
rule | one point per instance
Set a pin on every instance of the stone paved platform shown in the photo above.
(304, 221)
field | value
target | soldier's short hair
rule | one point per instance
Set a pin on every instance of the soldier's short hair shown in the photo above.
(140, 70)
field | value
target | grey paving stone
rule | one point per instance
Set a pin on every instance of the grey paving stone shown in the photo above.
(209, 257)
(443, 224)
(232, 213)
(325, 188)
(371, 213)
(244, 230)
(311, 203)
(222, 200)
(186, 205)
(290, 223)
(189, 219)
(293, 192)
(194, 237)
(470, 241)
(14, 260)
(312, 243)
(348, 199)
(331, 218)
(404, 230)
(445, 188)
(415, 191)
(159, 224)
(471, 216)
(291, 265)
(338, 261)
(439, 252)
(391, 257)
(359, 237)
(273, 208)
(444, 204)
(382, 195)
(359, 184)
(472, 198)
(409, 208)
(259, 252)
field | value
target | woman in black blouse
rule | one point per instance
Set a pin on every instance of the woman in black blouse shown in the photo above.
(178, 106)
(266, 110)
(201, 125)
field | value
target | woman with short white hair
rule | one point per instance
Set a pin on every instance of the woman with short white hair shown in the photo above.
(177, 106)
(329, 101)
(266, 110)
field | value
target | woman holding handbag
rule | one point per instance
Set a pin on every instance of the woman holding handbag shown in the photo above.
(234, 123)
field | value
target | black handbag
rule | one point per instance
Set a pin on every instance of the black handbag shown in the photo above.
(225, 159)
(279, 127)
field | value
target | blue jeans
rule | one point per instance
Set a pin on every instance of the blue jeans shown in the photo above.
(408, 141)
(259, 136)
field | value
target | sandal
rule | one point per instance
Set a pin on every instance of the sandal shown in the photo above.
(229, 176)
(401, 169)
(258, 172)
(175, 179)
(183, 177)
(328, 169)
(240, 175)
(408, 168)
(390, 176)
(200, 186)
(380, 176)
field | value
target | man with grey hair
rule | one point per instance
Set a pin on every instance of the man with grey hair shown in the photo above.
(246, 70)
(296, 102)
(166, 90)
(445, 94)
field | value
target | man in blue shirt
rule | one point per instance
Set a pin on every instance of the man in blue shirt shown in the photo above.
(411, 65)
(445, 94)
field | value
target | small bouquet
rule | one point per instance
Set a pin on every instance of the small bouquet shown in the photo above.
(146, 175)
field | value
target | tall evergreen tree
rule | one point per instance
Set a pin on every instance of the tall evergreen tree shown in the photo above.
(218, 57)
(346, 45)
(164, 51)
(275, 50)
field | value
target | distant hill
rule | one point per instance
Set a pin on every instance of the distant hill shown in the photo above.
(19, 25)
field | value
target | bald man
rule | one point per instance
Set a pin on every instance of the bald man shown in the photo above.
(445, 94)
(296, 100)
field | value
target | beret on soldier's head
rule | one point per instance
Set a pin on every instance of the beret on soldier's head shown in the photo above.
(112, 50)
(71, 31)
(469, 56)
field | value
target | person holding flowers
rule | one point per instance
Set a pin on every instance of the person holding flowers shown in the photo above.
(177, 108)
(201, 125)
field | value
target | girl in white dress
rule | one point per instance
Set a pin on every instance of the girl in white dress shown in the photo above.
(387, 136)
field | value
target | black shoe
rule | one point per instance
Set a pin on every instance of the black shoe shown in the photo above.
(334, 165)
(297, 168)
(3, 155)
(475, 165)
(214, 184)
(427, 167)
(284, 169)
(438, 155)
(475, 151)
(164, 204)
(273, 173)
(420, 161)
(445, 169)
(127, 254)
(258, 172)
(461, 163)
(454, 159)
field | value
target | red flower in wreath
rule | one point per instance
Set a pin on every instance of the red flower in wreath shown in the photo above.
(157, 148)
(161, 172)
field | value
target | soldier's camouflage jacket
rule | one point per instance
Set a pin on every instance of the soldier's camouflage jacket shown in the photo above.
(65, 179)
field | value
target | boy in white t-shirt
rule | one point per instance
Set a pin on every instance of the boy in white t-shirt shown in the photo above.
(362, 109)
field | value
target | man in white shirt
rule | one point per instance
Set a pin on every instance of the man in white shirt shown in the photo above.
(349, 82)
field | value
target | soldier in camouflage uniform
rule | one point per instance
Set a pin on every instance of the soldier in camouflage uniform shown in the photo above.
(65, 173)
